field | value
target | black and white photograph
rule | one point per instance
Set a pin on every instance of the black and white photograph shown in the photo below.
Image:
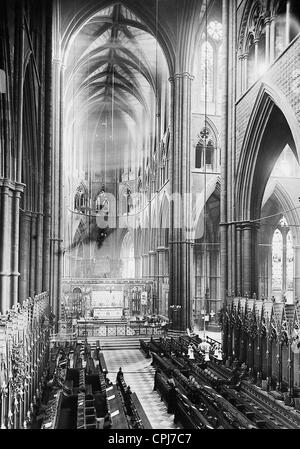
(149, 219)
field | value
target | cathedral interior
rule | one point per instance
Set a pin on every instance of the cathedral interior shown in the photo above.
(150, 214)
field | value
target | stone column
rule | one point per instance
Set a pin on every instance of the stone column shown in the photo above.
(33, 243)
(160, 276)
(15, 234)
(5, 245)
(224, 156)
(39, 253)
(47, 151)
(180, 143)
(238, 260)
(25, 227)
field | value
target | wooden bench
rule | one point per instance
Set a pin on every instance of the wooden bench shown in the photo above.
(142, 415)
(116, 410)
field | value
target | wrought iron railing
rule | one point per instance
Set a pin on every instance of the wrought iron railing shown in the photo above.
(117, 330)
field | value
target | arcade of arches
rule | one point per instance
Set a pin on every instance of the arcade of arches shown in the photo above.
(149, 174)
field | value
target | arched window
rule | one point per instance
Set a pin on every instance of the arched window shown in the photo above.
(205, 152)
(81, 199)
(282, 261)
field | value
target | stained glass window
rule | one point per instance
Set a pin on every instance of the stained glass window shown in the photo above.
(215, 30)
(207, 72)
(277, 254)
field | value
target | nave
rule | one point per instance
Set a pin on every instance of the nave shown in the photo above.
(149, 189)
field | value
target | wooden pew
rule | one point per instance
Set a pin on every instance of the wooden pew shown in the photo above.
(116, 410)
(50, 420)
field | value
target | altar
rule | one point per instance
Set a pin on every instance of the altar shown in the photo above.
(106, 299)
(107, 312)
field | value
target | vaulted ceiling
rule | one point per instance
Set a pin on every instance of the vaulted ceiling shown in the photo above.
(114, 75)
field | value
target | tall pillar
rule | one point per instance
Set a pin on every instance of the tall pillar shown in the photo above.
(39, 253)
(47, 150)
(180, 209)
(161, 251)
(238, 261)
(15, 233)
(5, 245)
(33, 244)
(25, 233)
(224, 156)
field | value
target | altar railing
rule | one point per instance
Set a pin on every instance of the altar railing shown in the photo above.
(117, 330)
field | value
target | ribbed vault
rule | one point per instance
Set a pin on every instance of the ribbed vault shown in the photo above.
(115, 76)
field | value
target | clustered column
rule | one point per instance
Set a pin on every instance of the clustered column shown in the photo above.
(180, 209)
(9, 248)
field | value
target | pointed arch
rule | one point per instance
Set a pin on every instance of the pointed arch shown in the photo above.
(271, 106)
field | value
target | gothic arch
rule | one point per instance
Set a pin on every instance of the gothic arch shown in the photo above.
(270, 106)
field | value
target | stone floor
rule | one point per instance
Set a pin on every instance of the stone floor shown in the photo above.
(139, 374)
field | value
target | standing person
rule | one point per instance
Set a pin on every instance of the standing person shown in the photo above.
(207, 350)
(191, 352)
(120, 376)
